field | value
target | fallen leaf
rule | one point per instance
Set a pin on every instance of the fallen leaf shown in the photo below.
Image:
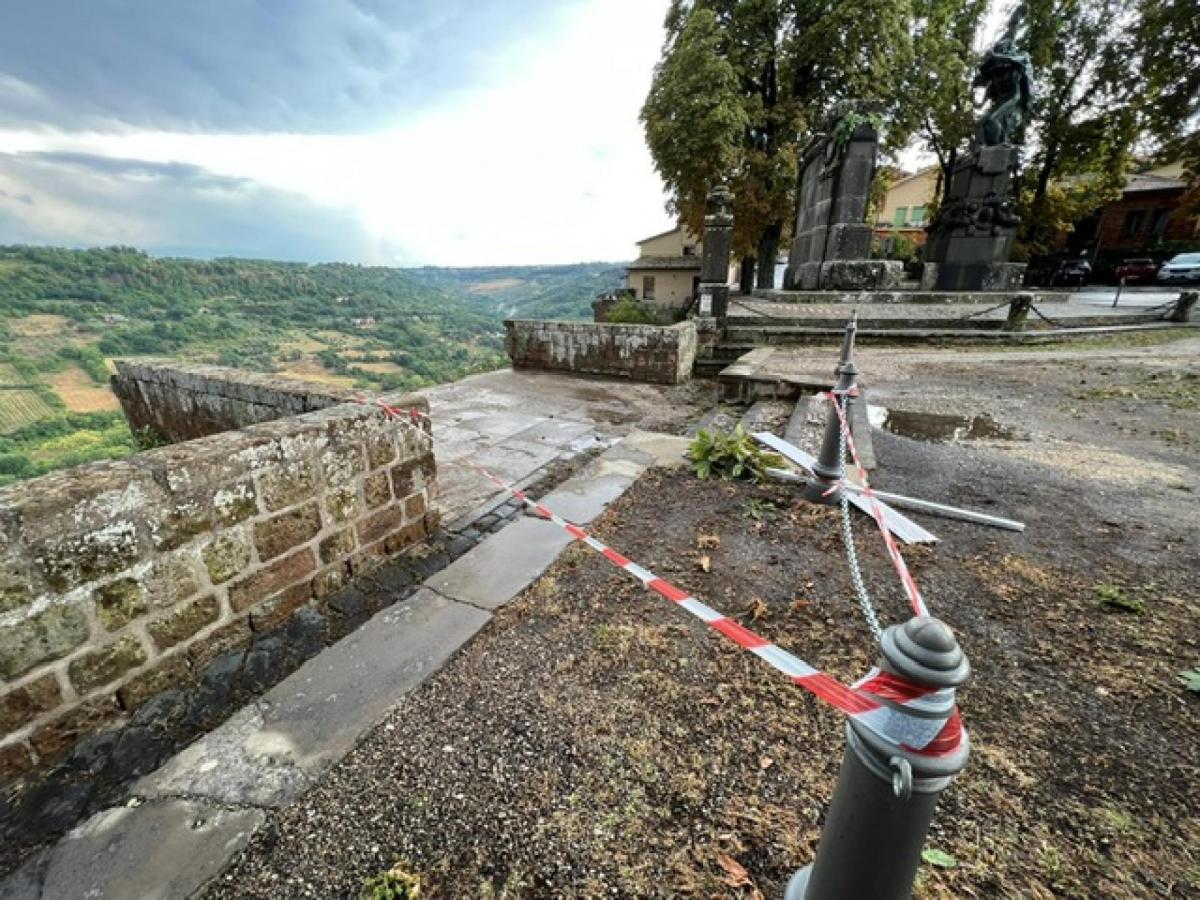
(758, 609)
(705, 563)
(799, 603)
(939, 858)
(735, 873)
(708, 541)
(766, 762)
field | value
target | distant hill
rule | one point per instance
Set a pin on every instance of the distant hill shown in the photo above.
(529, 292)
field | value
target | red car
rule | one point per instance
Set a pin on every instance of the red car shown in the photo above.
(1134, 270)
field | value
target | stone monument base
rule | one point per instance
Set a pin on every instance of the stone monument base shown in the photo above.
(953, 276)
(846, 275)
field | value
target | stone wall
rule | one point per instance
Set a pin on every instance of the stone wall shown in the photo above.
(179, 402)
(653, 353)
(120, 581)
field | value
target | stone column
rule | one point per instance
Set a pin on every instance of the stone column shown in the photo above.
(714, 264)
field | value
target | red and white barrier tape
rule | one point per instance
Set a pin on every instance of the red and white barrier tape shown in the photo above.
(909, 715)
(915, 600)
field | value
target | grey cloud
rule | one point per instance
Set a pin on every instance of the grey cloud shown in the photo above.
(76, 199)
(311, 66)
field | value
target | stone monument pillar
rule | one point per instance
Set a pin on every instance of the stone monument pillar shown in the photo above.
(832, 245)
(971, 237)
(714, 261)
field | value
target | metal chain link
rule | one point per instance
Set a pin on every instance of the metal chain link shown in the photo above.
(860, 586)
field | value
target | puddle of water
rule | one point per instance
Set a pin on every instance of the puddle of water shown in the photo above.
(939, 427)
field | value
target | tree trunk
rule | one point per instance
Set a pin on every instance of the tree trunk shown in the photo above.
(768, 252)
(746, 285)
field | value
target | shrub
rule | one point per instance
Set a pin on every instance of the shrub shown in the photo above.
(631, 312)
(394, 884)
(732, 454)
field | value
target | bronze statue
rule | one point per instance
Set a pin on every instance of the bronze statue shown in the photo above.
(1007, 76)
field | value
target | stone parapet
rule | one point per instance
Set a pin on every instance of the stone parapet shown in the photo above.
(651, 353)
(121, 580)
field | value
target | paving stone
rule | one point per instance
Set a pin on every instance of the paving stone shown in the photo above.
(500, 567)
(159, 850)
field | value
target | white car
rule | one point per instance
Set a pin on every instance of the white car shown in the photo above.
(1181, 269)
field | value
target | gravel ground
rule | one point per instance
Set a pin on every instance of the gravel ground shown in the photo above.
(595, 741)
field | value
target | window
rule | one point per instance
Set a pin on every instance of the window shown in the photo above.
(901, 216)
(1135, 220)
(647, 287)
(918, 215)
(1158, 222)
(689, 249)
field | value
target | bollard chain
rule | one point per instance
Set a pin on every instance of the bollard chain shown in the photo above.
(860, 586)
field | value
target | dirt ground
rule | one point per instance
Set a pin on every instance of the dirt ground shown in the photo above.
(596, 741)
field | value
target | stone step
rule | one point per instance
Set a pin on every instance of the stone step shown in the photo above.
(768, 415)
(721, 418)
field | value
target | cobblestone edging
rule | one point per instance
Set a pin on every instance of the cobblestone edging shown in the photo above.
(652, 353)
(123, 583)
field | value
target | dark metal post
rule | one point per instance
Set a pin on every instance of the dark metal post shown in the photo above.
(885, 797)
(830, 467)
(1018, 312)
(1182, 310)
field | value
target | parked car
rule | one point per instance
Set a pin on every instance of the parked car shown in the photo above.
(1181, 269)
(1131, 271)
(1073, 273)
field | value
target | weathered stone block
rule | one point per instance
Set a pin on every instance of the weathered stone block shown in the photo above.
(170, 671)
(78, 559)
(271, 579)
(288, 484)
(379, 525)
(233, 636)
(15, 588)
(408, 477)
(58, 735)
(279, 608)
(119, 602)
(106, 664)
(170, 580)
(182, 623)
(381, 449)
(22, 705)
(343, 503)
(414, 506)
(343, 464)
(48, 635)
(15, 759)
(332, 579)
(377, 490)
(225, 555)
(338, 546)
(405, 537)
(183, 520)
(286, 530)
(235, 503)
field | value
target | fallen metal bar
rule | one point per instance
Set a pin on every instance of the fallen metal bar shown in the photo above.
(897, 523)
(936, 509)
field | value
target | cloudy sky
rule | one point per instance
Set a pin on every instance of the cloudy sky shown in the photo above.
(406, 132)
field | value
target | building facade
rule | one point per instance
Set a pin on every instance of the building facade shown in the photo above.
(905, 207)
(667, 270)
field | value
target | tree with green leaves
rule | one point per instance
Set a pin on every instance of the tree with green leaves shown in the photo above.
(938, 109)
(774, 69)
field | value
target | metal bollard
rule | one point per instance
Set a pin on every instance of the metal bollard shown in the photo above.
(885, 797)
(830, 468)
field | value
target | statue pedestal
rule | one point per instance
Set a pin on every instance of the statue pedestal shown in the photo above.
(971, 237)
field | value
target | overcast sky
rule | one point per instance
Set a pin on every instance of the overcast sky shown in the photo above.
(406, 132)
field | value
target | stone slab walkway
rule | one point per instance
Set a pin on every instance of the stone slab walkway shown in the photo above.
(184, 822)
(515, 423)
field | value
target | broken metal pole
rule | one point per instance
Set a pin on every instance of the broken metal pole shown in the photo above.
(829, 468)
(905, 502)
(884, 801)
